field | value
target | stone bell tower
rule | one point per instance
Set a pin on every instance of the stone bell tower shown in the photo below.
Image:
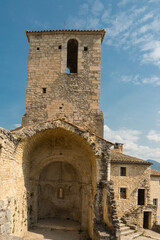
(63, 79)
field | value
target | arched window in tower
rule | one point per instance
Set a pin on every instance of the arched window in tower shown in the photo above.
(72, 56)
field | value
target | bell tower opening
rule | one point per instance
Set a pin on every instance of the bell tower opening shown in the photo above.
(72, 56)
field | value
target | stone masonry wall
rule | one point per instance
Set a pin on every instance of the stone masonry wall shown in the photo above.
(5, 216)
(155, 194)
(74, 97)
(137, 176)
(13, 208)
(23, 157)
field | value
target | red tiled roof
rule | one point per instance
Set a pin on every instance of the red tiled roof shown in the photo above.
(117, 157)
(155, 173)
(102, 32)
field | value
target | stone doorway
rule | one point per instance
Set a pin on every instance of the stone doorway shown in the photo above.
(59, 194)
(147, 220)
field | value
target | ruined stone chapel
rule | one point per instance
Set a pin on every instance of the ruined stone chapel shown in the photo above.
(57, 165)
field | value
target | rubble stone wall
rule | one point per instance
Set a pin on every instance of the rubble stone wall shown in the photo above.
(137, 177)
(13, 202)
(155, 194)
(25, 154)
(136, 216)
(74, 97)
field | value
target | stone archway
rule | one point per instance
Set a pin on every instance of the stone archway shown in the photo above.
(59, 194)
(87, 154)
(60, 162)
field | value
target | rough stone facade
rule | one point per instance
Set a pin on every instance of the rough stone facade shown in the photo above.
(137, 177)
(155, 192)
(75, 97)
(13, 209)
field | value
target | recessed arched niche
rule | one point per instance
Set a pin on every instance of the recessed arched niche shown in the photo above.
(72, 56)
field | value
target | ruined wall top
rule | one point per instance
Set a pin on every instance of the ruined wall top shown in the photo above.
(63, 78)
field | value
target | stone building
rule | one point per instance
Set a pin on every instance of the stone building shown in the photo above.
(57, 164)
(155, 192)
(133, 188)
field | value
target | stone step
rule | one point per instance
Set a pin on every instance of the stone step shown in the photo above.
(132, 236)
(124, 228)
(120, 221)
(127, 232)
(122, 224)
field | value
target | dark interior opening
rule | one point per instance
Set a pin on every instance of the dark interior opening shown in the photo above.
(141, 195)
(85, 49)
(155, 202)
(59, 47)
(123, 171)
(44, 90)
(146, 219)
(72, 55)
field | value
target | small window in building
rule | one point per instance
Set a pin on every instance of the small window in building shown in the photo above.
(155, 201)
(85, 49)
(60, 193)
(60, 47)
(123, 193)
(72, 55)
(123, 171)
(38, 48)
(141, 196)
(44, 90)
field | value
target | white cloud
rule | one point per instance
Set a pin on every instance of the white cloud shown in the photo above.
(152, 53)
(16, 125)
(123, 3)
(93, 22)
(136, 27)
(106, 14)
(153, 136)
(97, 7)
(123, 135)
(154, 1)
(134, 79)
(144, 152)
(129, 138)
(146, 17)
(159, 112)
(132, 28)
(79, 23)
(153, 80)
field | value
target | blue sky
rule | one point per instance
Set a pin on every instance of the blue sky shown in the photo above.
(130, 79)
